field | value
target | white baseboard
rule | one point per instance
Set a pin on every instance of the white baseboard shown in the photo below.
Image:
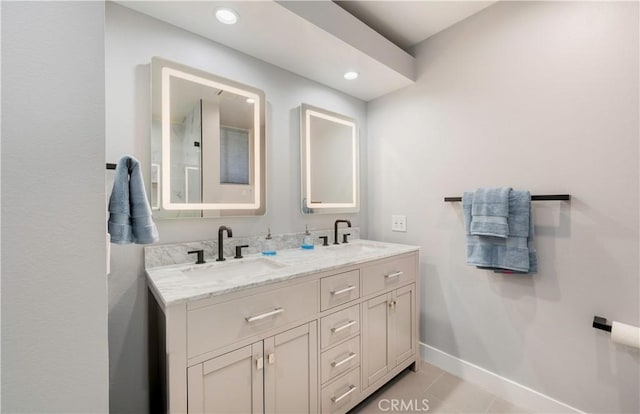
(502, 387)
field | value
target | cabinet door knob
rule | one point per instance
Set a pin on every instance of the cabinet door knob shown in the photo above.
(271, 358)
(259, 363)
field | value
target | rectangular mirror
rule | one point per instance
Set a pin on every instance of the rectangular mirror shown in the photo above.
(330, 162)
(207, 144)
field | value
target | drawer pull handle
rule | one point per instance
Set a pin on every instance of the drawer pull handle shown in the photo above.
(392, 275)
(341, 291)
(344, 361)
(352, 388)
(264, 315)
(343, 327)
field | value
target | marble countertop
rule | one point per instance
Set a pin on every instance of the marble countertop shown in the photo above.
(175, 284)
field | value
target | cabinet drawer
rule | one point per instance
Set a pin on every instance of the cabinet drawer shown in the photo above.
(342, 394)
(388, 274)
(340, 359)
(338, 289)
(215, 326)
(338, 326)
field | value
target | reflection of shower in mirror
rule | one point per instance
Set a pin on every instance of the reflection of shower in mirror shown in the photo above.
(207, 136)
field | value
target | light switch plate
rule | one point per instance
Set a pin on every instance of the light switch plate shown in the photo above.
(398, 222)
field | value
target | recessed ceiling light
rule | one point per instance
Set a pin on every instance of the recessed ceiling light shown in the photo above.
(250, 100)
(226, 16)
(351, 75)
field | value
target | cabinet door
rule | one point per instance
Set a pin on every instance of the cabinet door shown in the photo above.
(291, 371)
(402, 335)
(375, 327)
(230, 383)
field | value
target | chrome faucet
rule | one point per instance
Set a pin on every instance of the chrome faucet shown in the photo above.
(335, 229)
(221, 230)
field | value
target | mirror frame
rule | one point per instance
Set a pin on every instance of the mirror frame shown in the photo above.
(161, 71)
(309, 207)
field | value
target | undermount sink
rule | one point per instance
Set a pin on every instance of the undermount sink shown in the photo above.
(359, 247)
(232, 268)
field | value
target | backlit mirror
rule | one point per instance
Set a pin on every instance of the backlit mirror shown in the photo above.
(330, 162)
(207, 144)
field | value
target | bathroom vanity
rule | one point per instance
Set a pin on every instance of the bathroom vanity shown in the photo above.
(305, 331)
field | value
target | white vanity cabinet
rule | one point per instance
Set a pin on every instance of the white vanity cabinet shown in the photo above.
(318, 343)
(389, 332)
(231, 383)
(275, 375)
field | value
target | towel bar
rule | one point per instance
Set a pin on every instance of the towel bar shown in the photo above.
(601, 323)
(554, 197)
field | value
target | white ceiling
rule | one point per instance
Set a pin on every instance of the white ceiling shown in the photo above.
(319, 39)
(407, 23)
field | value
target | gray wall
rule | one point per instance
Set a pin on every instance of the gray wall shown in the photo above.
(131, 40)
(540, 96)
(54, 288)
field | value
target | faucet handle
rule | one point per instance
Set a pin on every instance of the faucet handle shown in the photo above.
(325, 240)
(200, 254)
(239, 251)
(344, 237)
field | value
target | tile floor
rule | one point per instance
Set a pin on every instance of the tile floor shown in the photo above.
(445, 393)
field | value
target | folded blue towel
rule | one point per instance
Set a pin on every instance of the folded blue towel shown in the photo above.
(489, 212)
(516, 252)
(129, 211)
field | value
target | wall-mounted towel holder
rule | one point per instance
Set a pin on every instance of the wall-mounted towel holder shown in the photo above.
(554, 197)
(621, 333)
(601, 323)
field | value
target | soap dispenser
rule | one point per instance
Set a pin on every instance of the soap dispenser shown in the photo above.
(268, 247)
(307, 240)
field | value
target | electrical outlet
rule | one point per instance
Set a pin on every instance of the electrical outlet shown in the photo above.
(398, 223)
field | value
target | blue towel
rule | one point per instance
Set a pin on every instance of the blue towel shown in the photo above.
(130, 215)
(489, 212)
(516, 253)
